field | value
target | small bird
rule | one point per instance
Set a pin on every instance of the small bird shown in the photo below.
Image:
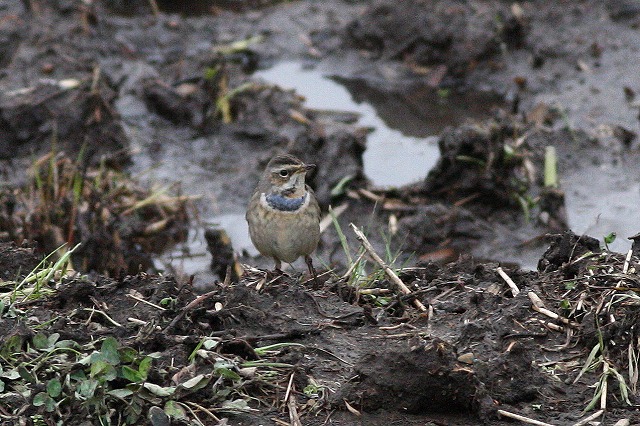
(283, 213)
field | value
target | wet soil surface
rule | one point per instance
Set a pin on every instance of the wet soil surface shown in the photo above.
(122, 86)
(477, 350)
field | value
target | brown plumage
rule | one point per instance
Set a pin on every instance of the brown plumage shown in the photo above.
(283, 214)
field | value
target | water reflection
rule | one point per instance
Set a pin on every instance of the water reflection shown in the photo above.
(402, 147)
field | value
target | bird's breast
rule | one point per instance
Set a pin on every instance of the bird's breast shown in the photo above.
(284, 204)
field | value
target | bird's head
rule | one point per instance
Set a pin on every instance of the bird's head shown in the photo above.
(285, 175)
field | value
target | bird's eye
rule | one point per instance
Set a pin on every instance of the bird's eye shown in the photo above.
(284, 173)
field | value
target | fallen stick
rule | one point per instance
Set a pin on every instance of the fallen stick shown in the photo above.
(589, 418)
(535, 299)
(291, 401)
(514, 288)
(625, 267)
(353, 266)
(523, 418)
(400, 335)
(538, 306)
(198, 300)
(622, 422)
(375, 291)
(139, 299)
(551, 326)
(392, 275)
(603, 395)
(551, 314)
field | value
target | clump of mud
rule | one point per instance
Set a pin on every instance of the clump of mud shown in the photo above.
(272, 341)
(455, 37)
(118, 223)
(489, 172)
(486, 161)
(73, 114)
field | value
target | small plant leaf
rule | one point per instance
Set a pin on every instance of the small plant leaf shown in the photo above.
(340, 187)
(610, 238)
(589, 361)
(121, 393)
(11, 346)
(87, 388)
(128, 355)
(211, 73)
(66, 344)
(78, 375)
(110, 351)
(41, 342)
(175, 410)
(40, 399)
(209, 344)
(195, 383)
(53, 338)
(26, 375)
(54, 388)
(87, 360)
(144, 367)
(469, 159)
(236, 405)
(227, 374)
(276, 346)
(160, 390)
(103, 369)
(132, 375)
(311, 390)
(10, 374)
(444, 93)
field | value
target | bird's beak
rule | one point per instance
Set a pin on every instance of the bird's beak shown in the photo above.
(309, 167)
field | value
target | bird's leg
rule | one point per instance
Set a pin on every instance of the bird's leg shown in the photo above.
(278, 266)
(312, 270)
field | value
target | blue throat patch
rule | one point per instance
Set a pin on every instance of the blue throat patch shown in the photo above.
(285, 204)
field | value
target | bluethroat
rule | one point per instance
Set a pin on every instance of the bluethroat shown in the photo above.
(283, 214)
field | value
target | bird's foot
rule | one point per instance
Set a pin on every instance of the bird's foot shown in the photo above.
(312, 270)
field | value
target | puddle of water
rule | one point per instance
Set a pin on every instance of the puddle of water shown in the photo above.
(604, 199)
(192, 257)
(401, 150)
(238, 231)
(403, 145)
(196, 179)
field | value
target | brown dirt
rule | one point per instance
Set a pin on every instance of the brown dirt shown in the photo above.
(481, 349)
(64, 67)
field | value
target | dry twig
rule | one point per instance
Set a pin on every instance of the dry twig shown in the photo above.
(139, 299)
(514, 288)
(538, 306)
(392, 275)
(290, 400)
(627, 260)
(588, 419)
(523, 418)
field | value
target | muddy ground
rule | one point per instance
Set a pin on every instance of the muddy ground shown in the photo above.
(117, 85)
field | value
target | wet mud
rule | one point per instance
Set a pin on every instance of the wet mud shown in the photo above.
(91, 92)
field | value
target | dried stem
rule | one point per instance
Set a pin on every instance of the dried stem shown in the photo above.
(514, 288)
(523, 418)
(392, 275)
(589, 418)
